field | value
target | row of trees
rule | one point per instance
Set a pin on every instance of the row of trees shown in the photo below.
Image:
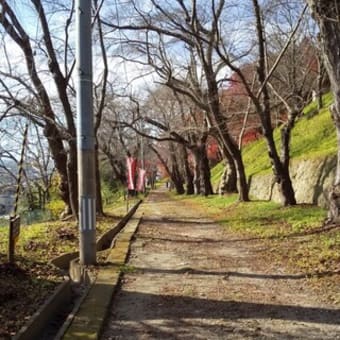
(215, 67)
(195, 50)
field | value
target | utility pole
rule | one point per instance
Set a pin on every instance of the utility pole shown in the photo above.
(85, 136)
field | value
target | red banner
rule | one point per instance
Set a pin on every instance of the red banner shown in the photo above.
(131, 166)
(141, 180)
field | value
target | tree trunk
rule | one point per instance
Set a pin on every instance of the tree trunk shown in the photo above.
(280, 169)
(53, 136)
(60, 159)
(243, 184)
(233, 150)
(197, 172)
(175, 172)
(117, 167)
(228, 182)
(177, 180)
(285, 184)
(334, 193)
(320, 81)
(72, 172)
(326, 14)
(118, 170)
(227, 140)
(189, 178)
(206, 187)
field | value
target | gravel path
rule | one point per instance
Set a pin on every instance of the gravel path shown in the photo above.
(189, 279)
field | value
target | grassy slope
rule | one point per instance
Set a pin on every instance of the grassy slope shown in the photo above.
(45, 240)
(311, 137)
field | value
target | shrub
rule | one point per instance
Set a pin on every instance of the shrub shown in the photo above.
(56, 207)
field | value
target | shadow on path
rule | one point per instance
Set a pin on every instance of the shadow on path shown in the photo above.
(168, 307)
(227, 274)
(187, 220)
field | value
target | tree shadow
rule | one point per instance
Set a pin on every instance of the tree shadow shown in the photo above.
(228, 274)
(182, 240)
(172, 307)
(187, 220)
(315, 231)
(328, 165)
(182, 329)
(24, 288)
(319, 230)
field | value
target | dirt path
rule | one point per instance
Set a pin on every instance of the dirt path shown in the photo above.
(191, 280)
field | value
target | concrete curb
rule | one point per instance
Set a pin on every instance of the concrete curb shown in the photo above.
(63, 261)
(105, 241)
(39, 320)
(62, 296)
(88, 322)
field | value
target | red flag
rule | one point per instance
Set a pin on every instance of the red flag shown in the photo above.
(141, 179)
(131, 165)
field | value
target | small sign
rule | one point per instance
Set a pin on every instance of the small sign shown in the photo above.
(14, 231)
(15, 228)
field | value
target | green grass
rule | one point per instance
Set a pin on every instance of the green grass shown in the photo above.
(312, 107)
(260, 218)
(311, 137)
(278, 227)
(43, 241)
(269, 219)
(216, 173)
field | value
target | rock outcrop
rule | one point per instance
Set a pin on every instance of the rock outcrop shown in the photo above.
(311, 180)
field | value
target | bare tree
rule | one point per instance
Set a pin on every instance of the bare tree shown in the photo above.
(39, 166)
(193, 30)
(42, 86)
(326, 14)
(35, 87)
(261, 96)
(295, 76)
(177, 118)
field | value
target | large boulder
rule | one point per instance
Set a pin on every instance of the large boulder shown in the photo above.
(312, 179)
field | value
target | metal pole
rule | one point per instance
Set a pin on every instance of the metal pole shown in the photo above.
(85, 136)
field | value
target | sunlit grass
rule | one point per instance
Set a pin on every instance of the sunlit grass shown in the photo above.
(281, 228)
(260, 218)
(45, 240)
(311, 137)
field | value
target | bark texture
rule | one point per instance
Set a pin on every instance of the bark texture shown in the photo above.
(326, 13)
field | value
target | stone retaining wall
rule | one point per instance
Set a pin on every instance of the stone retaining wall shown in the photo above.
(311, 179)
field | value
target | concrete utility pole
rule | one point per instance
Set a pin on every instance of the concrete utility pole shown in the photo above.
(85, 136)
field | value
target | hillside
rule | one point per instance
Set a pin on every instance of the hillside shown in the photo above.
(312, 137)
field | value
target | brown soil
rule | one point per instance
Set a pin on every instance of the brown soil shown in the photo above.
(187, 278)
(29, 282)
(24, 286)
